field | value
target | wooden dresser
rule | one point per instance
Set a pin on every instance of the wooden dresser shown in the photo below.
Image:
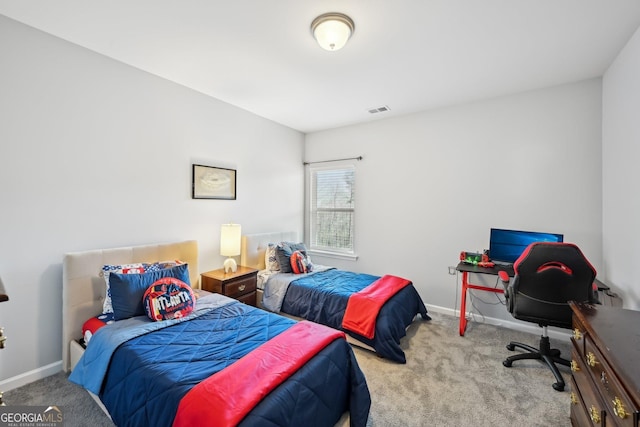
(605, 366)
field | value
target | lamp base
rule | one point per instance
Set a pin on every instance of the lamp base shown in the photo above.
(230, 265)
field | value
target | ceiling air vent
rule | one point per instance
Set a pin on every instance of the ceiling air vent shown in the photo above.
(376, 110)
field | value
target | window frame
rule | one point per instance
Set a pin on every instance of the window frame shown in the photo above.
(310, 212)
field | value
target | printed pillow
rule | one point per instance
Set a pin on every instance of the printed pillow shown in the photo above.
(127, 290)
(271, 259)
(168, 298)
(284, 251)
(107, 269)
(135, 268)
(300, 263)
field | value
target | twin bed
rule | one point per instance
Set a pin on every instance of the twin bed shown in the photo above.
(323, 297)
(182, 371)
(225, 363)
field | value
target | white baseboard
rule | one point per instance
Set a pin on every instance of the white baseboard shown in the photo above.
(38, 374)
(557, 333)
(31, 376)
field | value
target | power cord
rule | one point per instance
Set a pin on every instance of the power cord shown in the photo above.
(473, 296)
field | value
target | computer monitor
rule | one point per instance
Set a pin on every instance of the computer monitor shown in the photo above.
(506, 246)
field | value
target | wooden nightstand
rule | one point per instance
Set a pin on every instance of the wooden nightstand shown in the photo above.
(240, 285)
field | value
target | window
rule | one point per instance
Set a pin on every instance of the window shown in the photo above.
(332, 209)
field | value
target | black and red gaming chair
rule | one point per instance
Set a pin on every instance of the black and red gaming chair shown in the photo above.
(547, 277)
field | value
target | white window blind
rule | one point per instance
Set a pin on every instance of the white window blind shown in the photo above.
(332, 209)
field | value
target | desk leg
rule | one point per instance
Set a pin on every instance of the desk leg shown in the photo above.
(463, 303)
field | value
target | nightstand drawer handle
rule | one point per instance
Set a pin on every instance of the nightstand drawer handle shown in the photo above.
(591, 359)
(242, 287)
(594, 414)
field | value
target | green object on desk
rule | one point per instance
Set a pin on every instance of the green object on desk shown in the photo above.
(472, 258)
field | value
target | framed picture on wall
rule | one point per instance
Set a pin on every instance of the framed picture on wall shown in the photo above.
(210, 182)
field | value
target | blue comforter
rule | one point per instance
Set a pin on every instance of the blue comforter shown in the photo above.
(149, 374)
(322, 298)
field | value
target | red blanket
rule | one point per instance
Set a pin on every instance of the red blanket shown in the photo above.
(226, 397)
(363, 307)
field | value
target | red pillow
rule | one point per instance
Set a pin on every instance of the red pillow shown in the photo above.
(299, 263)
(168, 298)
(92, 325)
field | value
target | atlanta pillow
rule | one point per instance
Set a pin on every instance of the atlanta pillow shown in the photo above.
(168, 298)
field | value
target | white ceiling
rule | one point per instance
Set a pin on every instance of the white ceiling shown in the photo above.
(410, 55)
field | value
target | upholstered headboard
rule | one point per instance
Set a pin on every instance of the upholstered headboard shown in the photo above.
(255, 245)
(83, 287)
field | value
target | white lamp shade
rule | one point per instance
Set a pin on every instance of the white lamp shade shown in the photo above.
(230, 237)
(332, 30)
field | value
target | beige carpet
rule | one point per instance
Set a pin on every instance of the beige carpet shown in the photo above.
(451, 380)
(448, 381)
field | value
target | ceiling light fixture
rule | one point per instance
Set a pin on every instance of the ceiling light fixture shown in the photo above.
(332, 30)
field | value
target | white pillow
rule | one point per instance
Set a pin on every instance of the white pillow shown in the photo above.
(270, 259)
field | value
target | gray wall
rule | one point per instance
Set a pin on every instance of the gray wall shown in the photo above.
(98, 154)
(621, 151)
(433, 184)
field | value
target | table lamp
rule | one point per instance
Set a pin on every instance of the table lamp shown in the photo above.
(230, 236)
(3, 293)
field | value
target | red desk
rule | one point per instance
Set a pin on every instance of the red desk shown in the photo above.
(465, 269)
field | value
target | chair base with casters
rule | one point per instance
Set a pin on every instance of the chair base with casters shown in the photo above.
(544, 353)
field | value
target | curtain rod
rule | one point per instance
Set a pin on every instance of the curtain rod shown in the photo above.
(334, 160)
